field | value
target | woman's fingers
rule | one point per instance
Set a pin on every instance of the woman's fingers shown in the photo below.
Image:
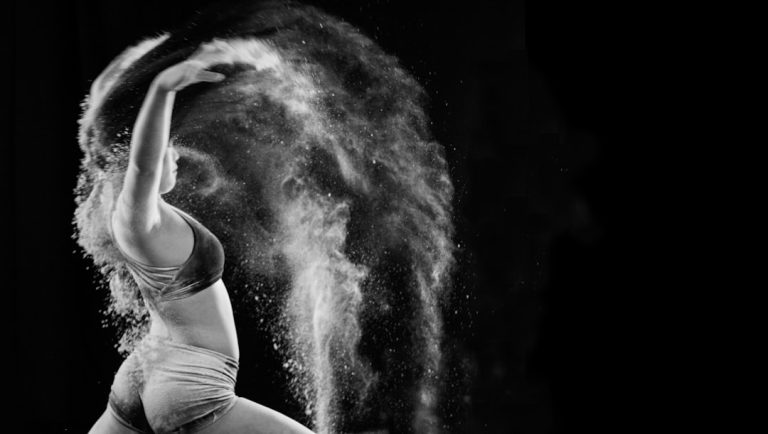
(210, 76)
(194, 63)
(187, 73)
(202, 74)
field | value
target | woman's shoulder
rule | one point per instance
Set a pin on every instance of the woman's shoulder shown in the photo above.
(167, 241)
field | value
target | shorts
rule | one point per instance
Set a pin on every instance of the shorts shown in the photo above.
(165, 387)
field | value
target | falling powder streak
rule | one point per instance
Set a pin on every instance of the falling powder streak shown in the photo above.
(313, 164)
(323, 305)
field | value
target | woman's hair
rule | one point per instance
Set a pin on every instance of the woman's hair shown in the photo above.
(314, 164)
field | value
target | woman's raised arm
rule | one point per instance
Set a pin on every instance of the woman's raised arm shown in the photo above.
(138, 204)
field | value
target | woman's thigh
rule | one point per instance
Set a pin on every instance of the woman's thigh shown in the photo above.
(108, 424)
(249, 417)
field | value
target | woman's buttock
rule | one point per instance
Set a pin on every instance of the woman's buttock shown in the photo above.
(172, 387)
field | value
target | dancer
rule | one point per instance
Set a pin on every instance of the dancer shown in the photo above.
(181, 376)
(314, 164)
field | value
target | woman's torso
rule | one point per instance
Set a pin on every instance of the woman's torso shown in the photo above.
(202, 317)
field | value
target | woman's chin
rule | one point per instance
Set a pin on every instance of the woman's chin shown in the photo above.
(167, 189)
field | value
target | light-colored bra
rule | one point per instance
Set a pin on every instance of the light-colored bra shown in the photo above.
(202, 269)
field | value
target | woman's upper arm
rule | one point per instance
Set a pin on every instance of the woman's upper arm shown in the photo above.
(138, 205)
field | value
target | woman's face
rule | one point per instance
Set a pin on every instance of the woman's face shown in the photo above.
(168, 179)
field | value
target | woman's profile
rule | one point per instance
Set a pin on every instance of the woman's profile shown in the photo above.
(181, 376)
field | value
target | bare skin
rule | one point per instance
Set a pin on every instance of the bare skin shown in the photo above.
(150, 231)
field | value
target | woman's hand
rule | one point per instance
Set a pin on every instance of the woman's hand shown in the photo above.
(183, 74)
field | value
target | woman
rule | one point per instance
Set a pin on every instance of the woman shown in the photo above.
(181, 377)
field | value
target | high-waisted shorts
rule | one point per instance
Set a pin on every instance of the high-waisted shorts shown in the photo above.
(165, 387)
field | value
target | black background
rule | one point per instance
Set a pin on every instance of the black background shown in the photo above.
(537, 106)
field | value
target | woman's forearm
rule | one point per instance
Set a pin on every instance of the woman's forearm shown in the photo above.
(152, 129)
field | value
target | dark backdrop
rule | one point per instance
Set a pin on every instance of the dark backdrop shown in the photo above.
(531, 104)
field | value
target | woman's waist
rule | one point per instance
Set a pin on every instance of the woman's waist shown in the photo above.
(218, 339)
(204, 319)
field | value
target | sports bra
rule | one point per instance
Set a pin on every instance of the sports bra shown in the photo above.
(202, 269)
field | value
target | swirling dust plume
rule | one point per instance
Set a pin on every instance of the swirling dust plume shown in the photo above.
(313, 163)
